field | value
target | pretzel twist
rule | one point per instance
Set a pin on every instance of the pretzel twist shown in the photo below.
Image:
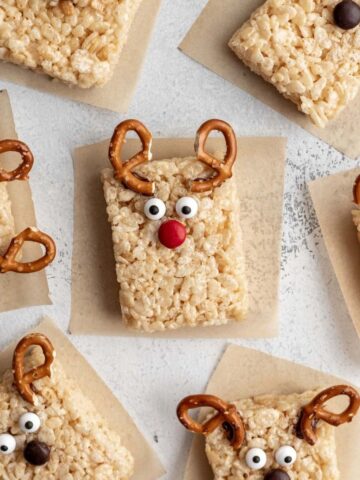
(356, 191)
(223, 168)
(315, 411)
(124, 170)
(22, 171)
(24, 380)
(8, 262)
(227, 416)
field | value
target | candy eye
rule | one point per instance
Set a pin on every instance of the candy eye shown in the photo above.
(187, 207)
(7, 444)
(255, 458)
(154, 209)
(29, 422)
(285, 456)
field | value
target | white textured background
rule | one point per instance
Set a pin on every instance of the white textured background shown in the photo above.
(174, 96)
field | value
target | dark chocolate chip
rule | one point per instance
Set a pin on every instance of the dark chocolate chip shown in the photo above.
(277, 475)
(154, 210)
(229, 429)
(347, 14)
(186, 210)
(37, 453)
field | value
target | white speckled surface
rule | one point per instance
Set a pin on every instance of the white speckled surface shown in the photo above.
(173, 97)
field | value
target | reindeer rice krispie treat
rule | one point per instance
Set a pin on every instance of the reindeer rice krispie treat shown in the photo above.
(308, 49)
(286, 437)
(356, 209)
(75, 41)
(48, 428)
(176, 234)
(10, 245)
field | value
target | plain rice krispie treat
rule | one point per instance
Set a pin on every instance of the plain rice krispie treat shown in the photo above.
(297, 47)
(66, 438)
(7, 227)
(356, 209)
(179, 256)
(75, 41)
(273, 443)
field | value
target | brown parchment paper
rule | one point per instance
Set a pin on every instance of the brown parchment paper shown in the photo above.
(207, 43)
(147, 465)
(95, 306)
(333, 197)
(244, 373)
(115, 95)
(16, 290)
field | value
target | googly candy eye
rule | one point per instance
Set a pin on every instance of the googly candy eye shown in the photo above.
(285, 456)
(347, 14)
(154, 209)
(187, 207)
(7, 444)
(29, 422)
(255, 458)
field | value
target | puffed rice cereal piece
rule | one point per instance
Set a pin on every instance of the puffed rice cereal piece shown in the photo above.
(75, 41)
(200, 283)
(82, 447)
(297, 47)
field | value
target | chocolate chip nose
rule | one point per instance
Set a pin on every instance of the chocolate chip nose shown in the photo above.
(37, 453)
(277, 475)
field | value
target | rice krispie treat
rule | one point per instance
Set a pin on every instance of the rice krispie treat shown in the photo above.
(176, 234)
(308, 49)
(356, 209)
(7, 226)
(75, 41)
(10, 246)
(48, 428)
(286, 437)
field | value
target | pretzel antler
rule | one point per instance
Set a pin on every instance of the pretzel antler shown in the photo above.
(22, 171)
(24, 380)
(124, 170)
(356, 191)
(8, 262)
(223, 168)
(227, 416)
(315, 411)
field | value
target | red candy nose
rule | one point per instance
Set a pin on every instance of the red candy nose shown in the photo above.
(172, 234)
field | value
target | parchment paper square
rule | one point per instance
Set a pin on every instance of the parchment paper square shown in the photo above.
(332, 197)
(207, 43)
(147, 465)
(244, 373)
(115, 95)
(17, 290)
(95, 308)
